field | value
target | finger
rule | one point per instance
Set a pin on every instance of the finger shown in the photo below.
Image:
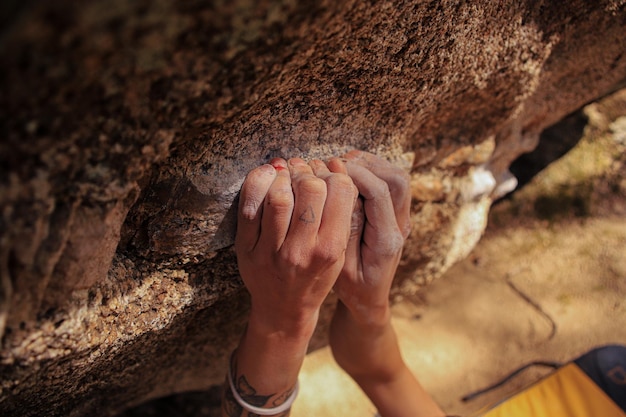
(337, 214)
(279, 164)
(353, 249)
(342, 194)
(319, 168)
(381, 232)
(398, 182)
(277, 209)
(310, 194)
(337, 165)
(250, 210)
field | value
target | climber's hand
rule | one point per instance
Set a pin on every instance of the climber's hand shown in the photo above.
(362, 338)
(292, 234)
(380, 225)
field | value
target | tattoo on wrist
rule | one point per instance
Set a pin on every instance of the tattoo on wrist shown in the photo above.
(283, 397)
(247, 392)
(230, 406)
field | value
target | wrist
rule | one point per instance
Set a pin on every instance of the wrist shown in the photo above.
(291, 328)
(367, 311)
(366, 350)
(269, 361)
(364, 321)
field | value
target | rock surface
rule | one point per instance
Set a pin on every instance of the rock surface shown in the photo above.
(128, 127)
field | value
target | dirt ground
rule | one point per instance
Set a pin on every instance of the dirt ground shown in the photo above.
(546, 282)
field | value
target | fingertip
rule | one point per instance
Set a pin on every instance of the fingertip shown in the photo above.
(281, 167)
(278, 163)
(299, 168)
(250, 207)
(254, 189)
(354, 154)
(338, 165)
(319, 168)
(297, 162)
(267, 169)
(259, 174)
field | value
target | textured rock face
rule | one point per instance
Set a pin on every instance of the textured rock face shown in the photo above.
(128, 127)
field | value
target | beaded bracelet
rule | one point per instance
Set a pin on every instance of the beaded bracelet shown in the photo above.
(259, 410)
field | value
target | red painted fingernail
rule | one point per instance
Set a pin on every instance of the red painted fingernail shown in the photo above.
(277, 164)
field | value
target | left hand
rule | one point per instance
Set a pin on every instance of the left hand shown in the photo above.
(292, 234)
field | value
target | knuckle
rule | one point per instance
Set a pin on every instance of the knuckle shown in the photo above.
(331, 252)
(342, 184)
(340, 181)
(392, 244)
(396, 241)
(400, 182)
(289, 258)
(313, 186)
(381, 190)
(297, 259)
(281, 198)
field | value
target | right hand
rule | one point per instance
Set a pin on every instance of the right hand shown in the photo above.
(362, 338)
(380, 225)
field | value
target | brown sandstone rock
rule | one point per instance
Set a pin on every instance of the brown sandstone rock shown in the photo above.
(127, 128)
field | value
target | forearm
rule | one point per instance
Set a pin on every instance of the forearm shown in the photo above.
(364, 348)
(370, 354)
(402, 396)
(265, 367)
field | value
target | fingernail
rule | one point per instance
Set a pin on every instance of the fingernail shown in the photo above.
(269, 169)
(278, 164)
(353, 154)
(297, 161)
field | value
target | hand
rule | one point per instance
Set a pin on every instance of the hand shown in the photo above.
(362, 338)
(292, 234)
(380, 225)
